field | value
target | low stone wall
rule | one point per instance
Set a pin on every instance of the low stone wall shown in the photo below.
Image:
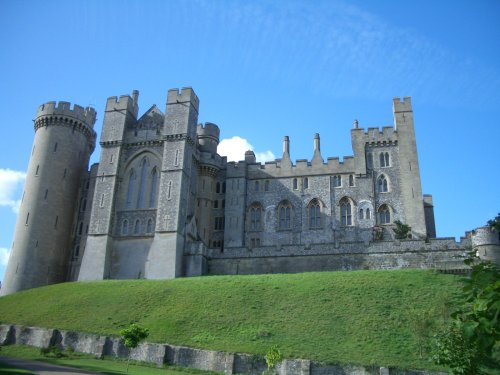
(160, 354)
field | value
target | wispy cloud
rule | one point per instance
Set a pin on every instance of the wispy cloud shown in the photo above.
(342, 49)
(10, 188)
(234, 148)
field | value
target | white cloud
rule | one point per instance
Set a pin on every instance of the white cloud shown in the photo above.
(10, 192)
(4, 256)
(234, 148)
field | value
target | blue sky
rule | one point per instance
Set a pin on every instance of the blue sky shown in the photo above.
(265, 69)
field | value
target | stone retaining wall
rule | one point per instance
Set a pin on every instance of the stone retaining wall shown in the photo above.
(160, 354)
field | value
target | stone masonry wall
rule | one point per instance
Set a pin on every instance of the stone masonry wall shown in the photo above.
(160, 354)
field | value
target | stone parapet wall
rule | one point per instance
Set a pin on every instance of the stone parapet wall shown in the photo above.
(397, 247)
(442, 254)
(160, 354)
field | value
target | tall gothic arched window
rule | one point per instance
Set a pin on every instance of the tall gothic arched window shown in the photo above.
(255, 217)
(154, 184)
(384, 214)
(142, 183)
(345, 212)
(285, 215)
(314, 211)
(130, 188)
(384, 159)
(382, 184)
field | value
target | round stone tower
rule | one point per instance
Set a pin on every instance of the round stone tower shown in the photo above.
(486, 242)
(64, 140)
(208, 169)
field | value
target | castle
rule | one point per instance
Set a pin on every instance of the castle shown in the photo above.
(162, 203)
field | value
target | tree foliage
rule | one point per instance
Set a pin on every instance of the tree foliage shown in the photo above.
(132, 336)
(273, 357)
(495, 223)
(468, 343)
(401, 231)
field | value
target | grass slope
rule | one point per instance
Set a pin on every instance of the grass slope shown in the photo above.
(360, 317)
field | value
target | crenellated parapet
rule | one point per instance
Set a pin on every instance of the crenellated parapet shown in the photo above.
(386, 136)
(402, 106)
(78, 118)
(124, 103)
(184, 95)
(86, 115)
(208, 137)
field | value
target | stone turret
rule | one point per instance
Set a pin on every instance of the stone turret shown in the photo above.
(208, 137)
(64, 140)
(486, 242)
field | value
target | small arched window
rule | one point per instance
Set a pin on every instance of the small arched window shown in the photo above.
(368, 214)
(351, 180)
(150, 226)
(137, 227)
(217, 188)
(125, 227)
(346, 212)
(256, 186)
(337, 180)
(266, 185)
(384, 214)
(285, 215)
(306, 183)
(382, 184)
(314, 214)
(295, 184)
(361, 216)
(223, 188)
(384, 159)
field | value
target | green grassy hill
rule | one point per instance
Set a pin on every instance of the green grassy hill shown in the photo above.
(361, 317)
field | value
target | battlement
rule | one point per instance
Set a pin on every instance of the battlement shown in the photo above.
(208, 137)
(485, 236)
(208, 130)
(86, 115)
(124, 103)
(186, 94)
(374, 135)
(401, 106)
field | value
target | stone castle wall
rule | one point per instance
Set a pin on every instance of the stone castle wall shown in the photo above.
(160, 354)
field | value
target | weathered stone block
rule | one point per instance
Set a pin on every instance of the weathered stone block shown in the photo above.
(33, 336)
(6, 334)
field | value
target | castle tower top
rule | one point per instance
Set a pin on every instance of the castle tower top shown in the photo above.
(402, 106)
(186, 94)
(124, 103)
(208, 137)
(86, 115)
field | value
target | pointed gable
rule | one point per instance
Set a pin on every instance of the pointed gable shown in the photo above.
(152, 119)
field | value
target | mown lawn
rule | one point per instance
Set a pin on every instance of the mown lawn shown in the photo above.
(359, 317)
(88, 363)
